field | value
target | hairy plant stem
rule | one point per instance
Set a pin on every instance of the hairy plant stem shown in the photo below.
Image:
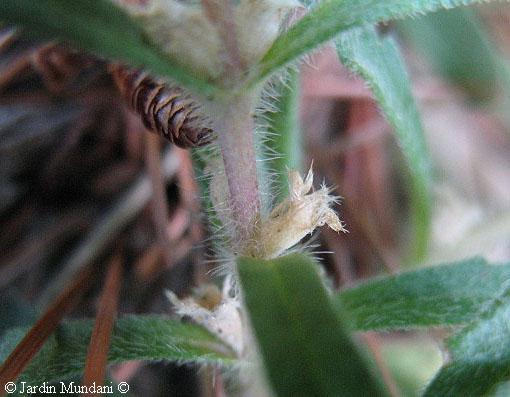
(235, 136)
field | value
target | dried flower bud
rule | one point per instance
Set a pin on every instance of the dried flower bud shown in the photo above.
(223, 320)
(295, 217)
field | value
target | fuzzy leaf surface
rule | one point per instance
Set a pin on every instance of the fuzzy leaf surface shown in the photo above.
(480, 354)
(378, 61)
(305, 347)
(100, 27)
(449, 294)
(133, 338)
(285, 142)
(331, 17)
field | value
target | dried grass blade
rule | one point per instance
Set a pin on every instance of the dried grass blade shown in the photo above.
(43, 328)
(97, 355)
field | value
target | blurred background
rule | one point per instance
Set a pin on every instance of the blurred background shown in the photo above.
(82, 183)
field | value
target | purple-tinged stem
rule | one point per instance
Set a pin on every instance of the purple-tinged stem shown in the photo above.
(235, 136)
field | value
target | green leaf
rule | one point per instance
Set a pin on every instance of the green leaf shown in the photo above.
(479, 354)
(378, 61)
(102, 28)
(459, 49)
(331, 17)
(285, 140)
(133, 338)
(449, 294)
(304, 346)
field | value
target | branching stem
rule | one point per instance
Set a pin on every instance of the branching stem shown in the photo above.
(235, 127)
